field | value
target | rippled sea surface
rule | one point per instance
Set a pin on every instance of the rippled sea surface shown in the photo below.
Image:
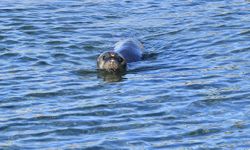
(191, 91)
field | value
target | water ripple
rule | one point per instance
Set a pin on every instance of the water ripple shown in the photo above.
(190, 91)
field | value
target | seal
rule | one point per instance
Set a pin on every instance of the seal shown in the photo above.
(125, 51)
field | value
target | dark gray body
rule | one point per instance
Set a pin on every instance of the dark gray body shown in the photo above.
(130, 49)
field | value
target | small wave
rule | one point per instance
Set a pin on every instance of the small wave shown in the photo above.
(9, 55)
(201, 132)
(41, 63)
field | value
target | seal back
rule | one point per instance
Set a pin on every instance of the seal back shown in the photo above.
(130, 49)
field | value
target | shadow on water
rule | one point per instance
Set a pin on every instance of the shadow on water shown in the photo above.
(110, 77)
(105, 76)
(149, 56)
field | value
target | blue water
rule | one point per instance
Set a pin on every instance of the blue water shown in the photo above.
(191, 91)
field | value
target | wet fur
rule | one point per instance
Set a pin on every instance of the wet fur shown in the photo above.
(129, 50)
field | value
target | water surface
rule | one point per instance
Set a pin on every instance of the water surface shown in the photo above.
(191, 91)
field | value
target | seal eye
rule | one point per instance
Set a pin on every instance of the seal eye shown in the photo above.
(105, 57)
(120, 59)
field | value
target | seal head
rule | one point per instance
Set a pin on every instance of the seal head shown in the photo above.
(111, 62)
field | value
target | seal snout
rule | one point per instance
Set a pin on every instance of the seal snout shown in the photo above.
(112, 64)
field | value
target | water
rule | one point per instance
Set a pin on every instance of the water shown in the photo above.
(191, 91)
